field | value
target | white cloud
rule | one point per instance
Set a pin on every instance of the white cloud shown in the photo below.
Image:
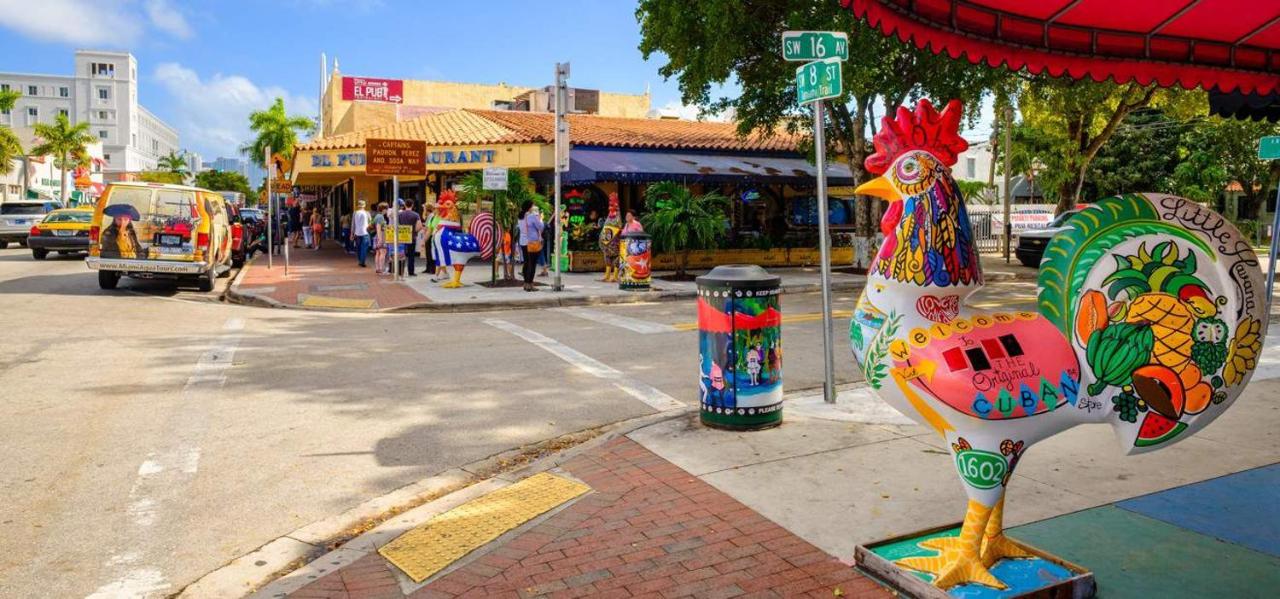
(166, 18)
(114, 23)
(212, 114)
(71, 21)
(689, 113)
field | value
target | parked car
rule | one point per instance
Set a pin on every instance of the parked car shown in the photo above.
(1031, 244)
(17, 218)
(65, 231)
(160, 231)
(247, 232)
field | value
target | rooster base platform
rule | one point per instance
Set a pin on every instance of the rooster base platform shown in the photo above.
(1151, 317)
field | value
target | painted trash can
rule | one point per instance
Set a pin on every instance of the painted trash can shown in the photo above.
(634, 260)
(740, 347)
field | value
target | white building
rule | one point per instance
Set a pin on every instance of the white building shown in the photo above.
(974, 164)
(194, 163)
(102, 91)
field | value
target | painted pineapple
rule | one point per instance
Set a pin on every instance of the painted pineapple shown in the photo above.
(1156, 340)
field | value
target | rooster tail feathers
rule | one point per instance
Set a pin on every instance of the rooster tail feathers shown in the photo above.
(1161, 298)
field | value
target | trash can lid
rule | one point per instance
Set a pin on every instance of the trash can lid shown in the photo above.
(743, 276)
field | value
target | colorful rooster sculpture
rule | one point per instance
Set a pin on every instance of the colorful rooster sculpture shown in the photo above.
(450, 245)
(609, 240)
(1151, 317)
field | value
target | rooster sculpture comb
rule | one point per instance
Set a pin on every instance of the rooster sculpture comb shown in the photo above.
(448, 196)
(925, 129)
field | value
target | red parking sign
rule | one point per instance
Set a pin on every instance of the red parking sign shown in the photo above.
(365, 89)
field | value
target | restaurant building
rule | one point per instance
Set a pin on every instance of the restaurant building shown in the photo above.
(770, 183)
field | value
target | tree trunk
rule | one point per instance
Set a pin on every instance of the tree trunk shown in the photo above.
(683, 266)
(1249, 204)
(63, 169)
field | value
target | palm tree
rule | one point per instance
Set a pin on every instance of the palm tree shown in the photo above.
(274, 128)
(505, 204)
(65, 142)
(173, 163)
(10, 145)
(680, 221)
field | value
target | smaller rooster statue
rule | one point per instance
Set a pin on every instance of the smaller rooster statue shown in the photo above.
(452, 246)
(609, 240)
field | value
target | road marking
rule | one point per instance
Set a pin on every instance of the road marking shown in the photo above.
(786, 319)
(655, 398)
(167, 468)
(644, 327)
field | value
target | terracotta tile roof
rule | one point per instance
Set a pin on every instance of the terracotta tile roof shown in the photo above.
(454, 127)
(589, 130)
(474, 127)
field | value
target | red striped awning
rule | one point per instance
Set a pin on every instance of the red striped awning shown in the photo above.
(1212, 44)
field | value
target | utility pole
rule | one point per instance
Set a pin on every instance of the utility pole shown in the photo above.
(824, 251)
(273, 219)
(1008, 200)
(562, 158)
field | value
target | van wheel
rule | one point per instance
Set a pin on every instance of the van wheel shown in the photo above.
(206, 281)
(108, 279)
(39, 254)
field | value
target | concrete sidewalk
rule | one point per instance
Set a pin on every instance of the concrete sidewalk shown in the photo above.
(678, 509)
(330, 279)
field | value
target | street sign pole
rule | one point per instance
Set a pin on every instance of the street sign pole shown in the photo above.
(1275, 244)
(562, 140)
(395, 227)
(824, 250)
(273, 220)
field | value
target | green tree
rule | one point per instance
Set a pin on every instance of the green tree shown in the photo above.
(680, 221)
(1230, 147)
(1140, 156)
(65, 142)
(708, 43)
(10, 145)
(161, 177)
(225, 181)
(274, 128)
(505, 205)
(173, 163)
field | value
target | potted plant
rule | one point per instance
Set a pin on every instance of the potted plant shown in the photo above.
(680, 221)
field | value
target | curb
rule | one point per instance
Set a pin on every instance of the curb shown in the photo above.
(298, 558)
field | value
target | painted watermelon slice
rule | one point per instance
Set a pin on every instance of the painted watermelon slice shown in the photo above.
(1157, 429)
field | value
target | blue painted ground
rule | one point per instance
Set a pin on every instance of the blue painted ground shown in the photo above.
(1241, 508)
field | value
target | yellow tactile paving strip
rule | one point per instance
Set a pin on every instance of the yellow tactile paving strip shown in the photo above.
(320, 301)
(444, 539)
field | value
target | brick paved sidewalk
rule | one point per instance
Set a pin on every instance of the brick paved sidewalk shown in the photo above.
(648, 529)
(329, 277)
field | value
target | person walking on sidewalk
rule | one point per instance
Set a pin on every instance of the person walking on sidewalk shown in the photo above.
(295, 223)
(530, 241)
(429, 219)
(317, 228)
(345, 225)
(409, 218)
(360, 233)
(380, 239)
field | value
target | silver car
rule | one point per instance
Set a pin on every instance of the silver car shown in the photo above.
(18, 216)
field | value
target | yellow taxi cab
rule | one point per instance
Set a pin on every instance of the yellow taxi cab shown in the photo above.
(159, 231)
(65, 230)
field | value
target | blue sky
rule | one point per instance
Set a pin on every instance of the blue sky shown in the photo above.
(204, 65)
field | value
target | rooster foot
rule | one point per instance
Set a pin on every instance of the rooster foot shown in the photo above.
(999, 547)
(452, 285)
(949, 573)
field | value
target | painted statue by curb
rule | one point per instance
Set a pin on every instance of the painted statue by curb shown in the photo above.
(451, 245)
(1151, 318)
(610, 240)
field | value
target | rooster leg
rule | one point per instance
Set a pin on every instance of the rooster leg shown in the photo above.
(994, 544)
(456, 282)
(960, 560)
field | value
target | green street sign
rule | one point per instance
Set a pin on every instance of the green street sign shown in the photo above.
(818, 80)
(814, 45)
(1269, 147)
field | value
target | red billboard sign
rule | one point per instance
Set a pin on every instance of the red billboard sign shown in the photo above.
(365, 89)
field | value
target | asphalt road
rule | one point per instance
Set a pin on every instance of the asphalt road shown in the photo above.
(151, 435)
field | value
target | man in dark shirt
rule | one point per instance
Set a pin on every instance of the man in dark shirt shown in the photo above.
(295, 223)
(409, 218)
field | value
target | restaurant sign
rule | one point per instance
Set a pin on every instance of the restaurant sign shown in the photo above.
(366, 89)
(400, 157)
(357, 159)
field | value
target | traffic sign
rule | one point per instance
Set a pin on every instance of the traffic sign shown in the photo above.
(1269, 147)
(814, 45)
(495, 178)
(818, 80)
(399, 157)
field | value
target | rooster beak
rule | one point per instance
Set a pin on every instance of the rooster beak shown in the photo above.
(879, 187)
